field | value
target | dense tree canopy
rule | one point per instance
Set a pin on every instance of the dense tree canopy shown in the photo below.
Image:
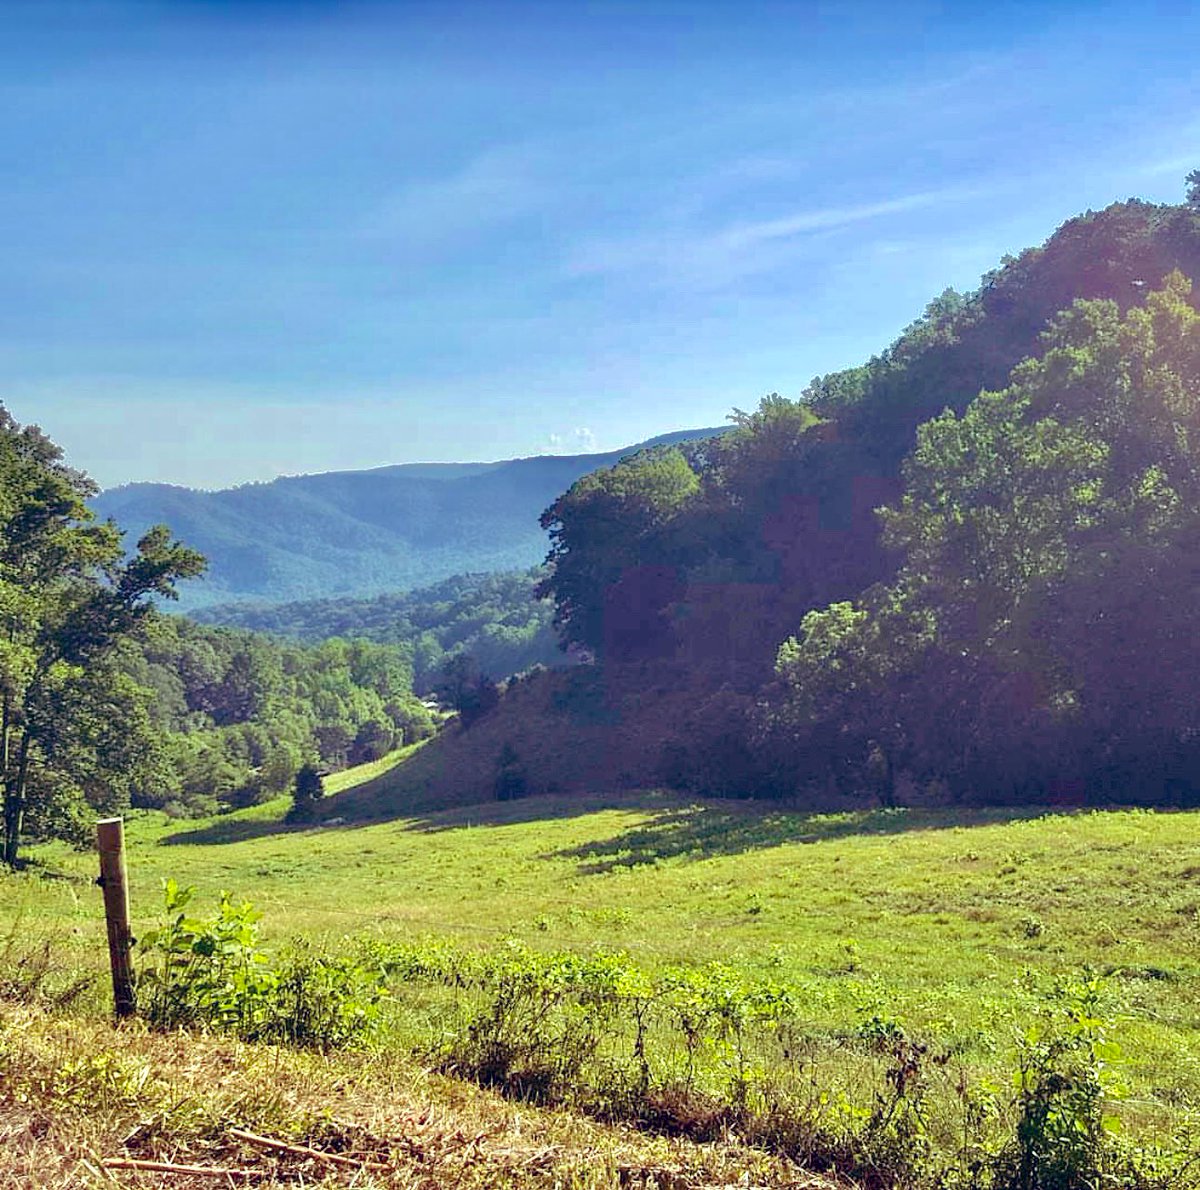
(106, 702)
(494, 618)
(609, 594)
(1040, 637)
(779, 513)
(237, 714)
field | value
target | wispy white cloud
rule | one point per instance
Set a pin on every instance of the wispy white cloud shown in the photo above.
(716, 257)
(828, 218)
(501, 183)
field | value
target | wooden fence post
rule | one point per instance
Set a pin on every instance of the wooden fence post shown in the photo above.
(110, 841)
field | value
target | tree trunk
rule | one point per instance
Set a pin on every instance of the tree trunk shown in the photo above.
(5, 730)
(12, 828)
(4, 775)
(9, 831)
(14, 805)
(889, 780)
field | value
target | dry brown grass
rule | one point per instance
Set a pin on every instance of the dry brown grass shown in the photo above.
(77, 1092)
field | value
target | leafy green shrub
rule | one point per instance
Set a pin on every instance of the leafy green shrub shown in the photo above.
(211, 973)
(535, 1028)
(694, 1051)
(202, 972)
(321, 1001)
(1064, 1139)
(705, 1051)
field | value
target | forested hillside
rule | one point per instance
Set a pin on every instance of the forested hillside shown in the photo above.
(495, 618)
(230, 716)
(107, 702)
(781, 512)
(1019, 626)
(358, 533)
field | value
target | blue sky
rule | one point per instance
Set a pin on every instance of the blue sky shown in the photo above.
(245, 239)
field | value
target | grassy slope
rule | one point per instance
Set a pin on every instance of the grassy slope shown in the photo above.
(573, 730)
(915, 916)
(910, 915)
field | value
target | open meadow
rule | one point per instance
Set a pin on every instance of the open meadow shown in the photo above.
(920, 959)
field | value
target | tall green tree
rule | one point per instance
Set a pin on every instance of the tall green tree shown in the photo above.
(607, 535)
(308, 790)
(68, 597)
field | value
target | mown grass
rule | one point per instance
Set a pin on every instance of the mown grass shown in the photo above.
(946, 925)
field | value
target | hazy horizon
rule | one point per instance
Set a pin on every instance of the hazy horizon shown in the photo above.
(415, 463)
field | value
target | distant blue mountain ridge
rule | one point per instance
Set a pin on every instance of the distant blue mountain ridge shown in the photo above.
(359, 533)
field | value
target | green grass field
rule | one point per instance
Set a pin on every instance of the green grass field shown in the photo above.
(904, 913)
(948, 925)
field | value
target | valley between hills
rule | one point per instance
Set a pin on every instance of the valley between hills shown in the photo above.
(809, 804)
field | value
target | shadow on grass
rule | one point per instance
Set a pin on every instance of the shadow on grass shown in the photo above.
(38, 867)
(235, 830)
(543, 807)
(706, 830)
(682, 826)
